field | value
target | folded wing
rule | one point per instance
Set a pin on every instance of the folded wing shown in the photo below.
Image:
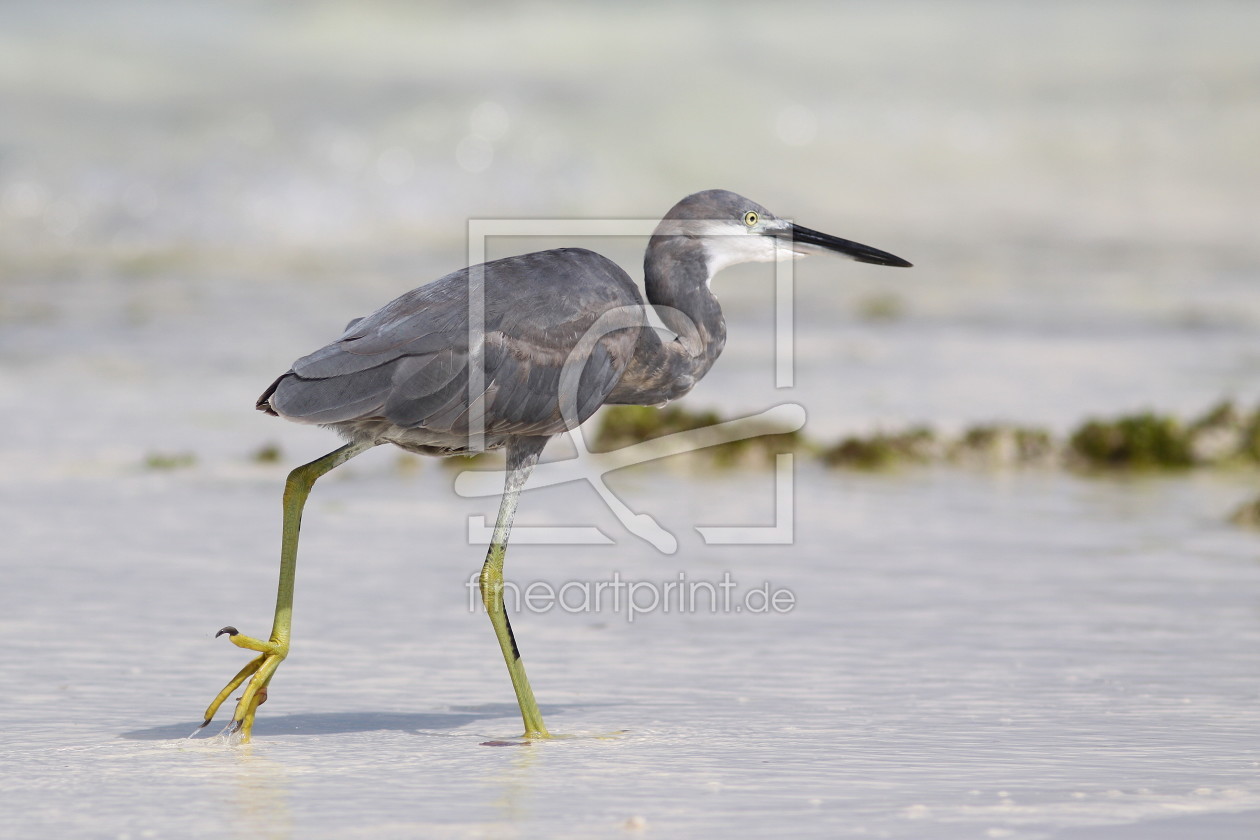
(408, 364)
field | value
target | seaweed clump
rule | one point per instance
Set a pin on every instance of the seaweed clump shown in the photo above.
(1223, 435)
(756, 451)
(1003, 445)
(268, 453)
(625, 425)
(882, 451)
(169, 460)
(1139, 441)
(1248, 514)
(1250, 446)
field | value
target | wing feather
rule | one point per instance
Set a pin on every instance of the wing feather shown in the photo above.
(331, 400)
(408, 362)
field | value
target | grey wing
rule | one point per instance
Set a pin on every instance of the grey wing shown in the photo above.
(407, 365)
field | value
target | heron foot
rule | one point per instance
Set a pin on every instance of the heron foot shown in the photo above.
(258, 672)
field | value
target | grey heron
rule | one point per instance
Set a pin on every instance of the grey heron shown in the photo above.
(509, 354)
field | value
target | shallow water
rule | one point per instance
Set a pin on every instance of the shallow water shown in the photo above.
(967, 656)
(189, 200)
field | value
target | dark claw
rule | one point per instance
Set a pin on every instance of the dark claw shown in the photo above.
(204, 725)
(230, 630)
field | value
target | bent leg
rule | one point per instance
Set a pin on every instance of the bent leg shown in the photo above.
(273, 651)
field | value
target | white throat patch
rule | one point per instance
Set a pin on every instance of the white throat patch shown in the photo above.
(731, 243)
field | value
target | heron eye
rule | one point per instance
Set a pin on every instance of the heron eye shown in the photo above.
(751, 217)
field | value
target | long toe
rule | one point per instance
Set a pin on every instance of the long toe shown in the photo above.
(255, 677)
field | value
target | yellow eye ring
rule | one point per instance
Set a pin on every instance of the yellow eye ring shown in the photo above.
(751, 218)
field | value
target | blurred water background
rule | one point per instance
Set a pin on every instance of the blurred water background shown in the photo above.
(194, 194)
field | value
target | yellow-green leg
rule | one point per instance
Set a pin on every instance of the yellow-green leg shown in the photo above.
(522, 456)
(273, 651)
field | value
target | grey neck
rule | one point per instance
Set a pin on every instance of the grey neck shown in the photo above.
(676, 278)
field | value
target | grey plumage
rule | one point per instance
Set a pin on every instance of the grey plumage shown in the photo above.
(401, 375)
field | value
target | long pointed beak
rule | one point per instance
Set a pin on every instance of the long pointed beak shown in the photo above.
(813, 240)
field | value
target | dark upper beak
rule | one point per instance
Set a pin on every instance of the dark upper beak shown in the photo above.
(853, 250)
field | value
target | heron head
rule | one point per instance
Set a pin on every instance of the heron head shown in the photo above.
(732, 229)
